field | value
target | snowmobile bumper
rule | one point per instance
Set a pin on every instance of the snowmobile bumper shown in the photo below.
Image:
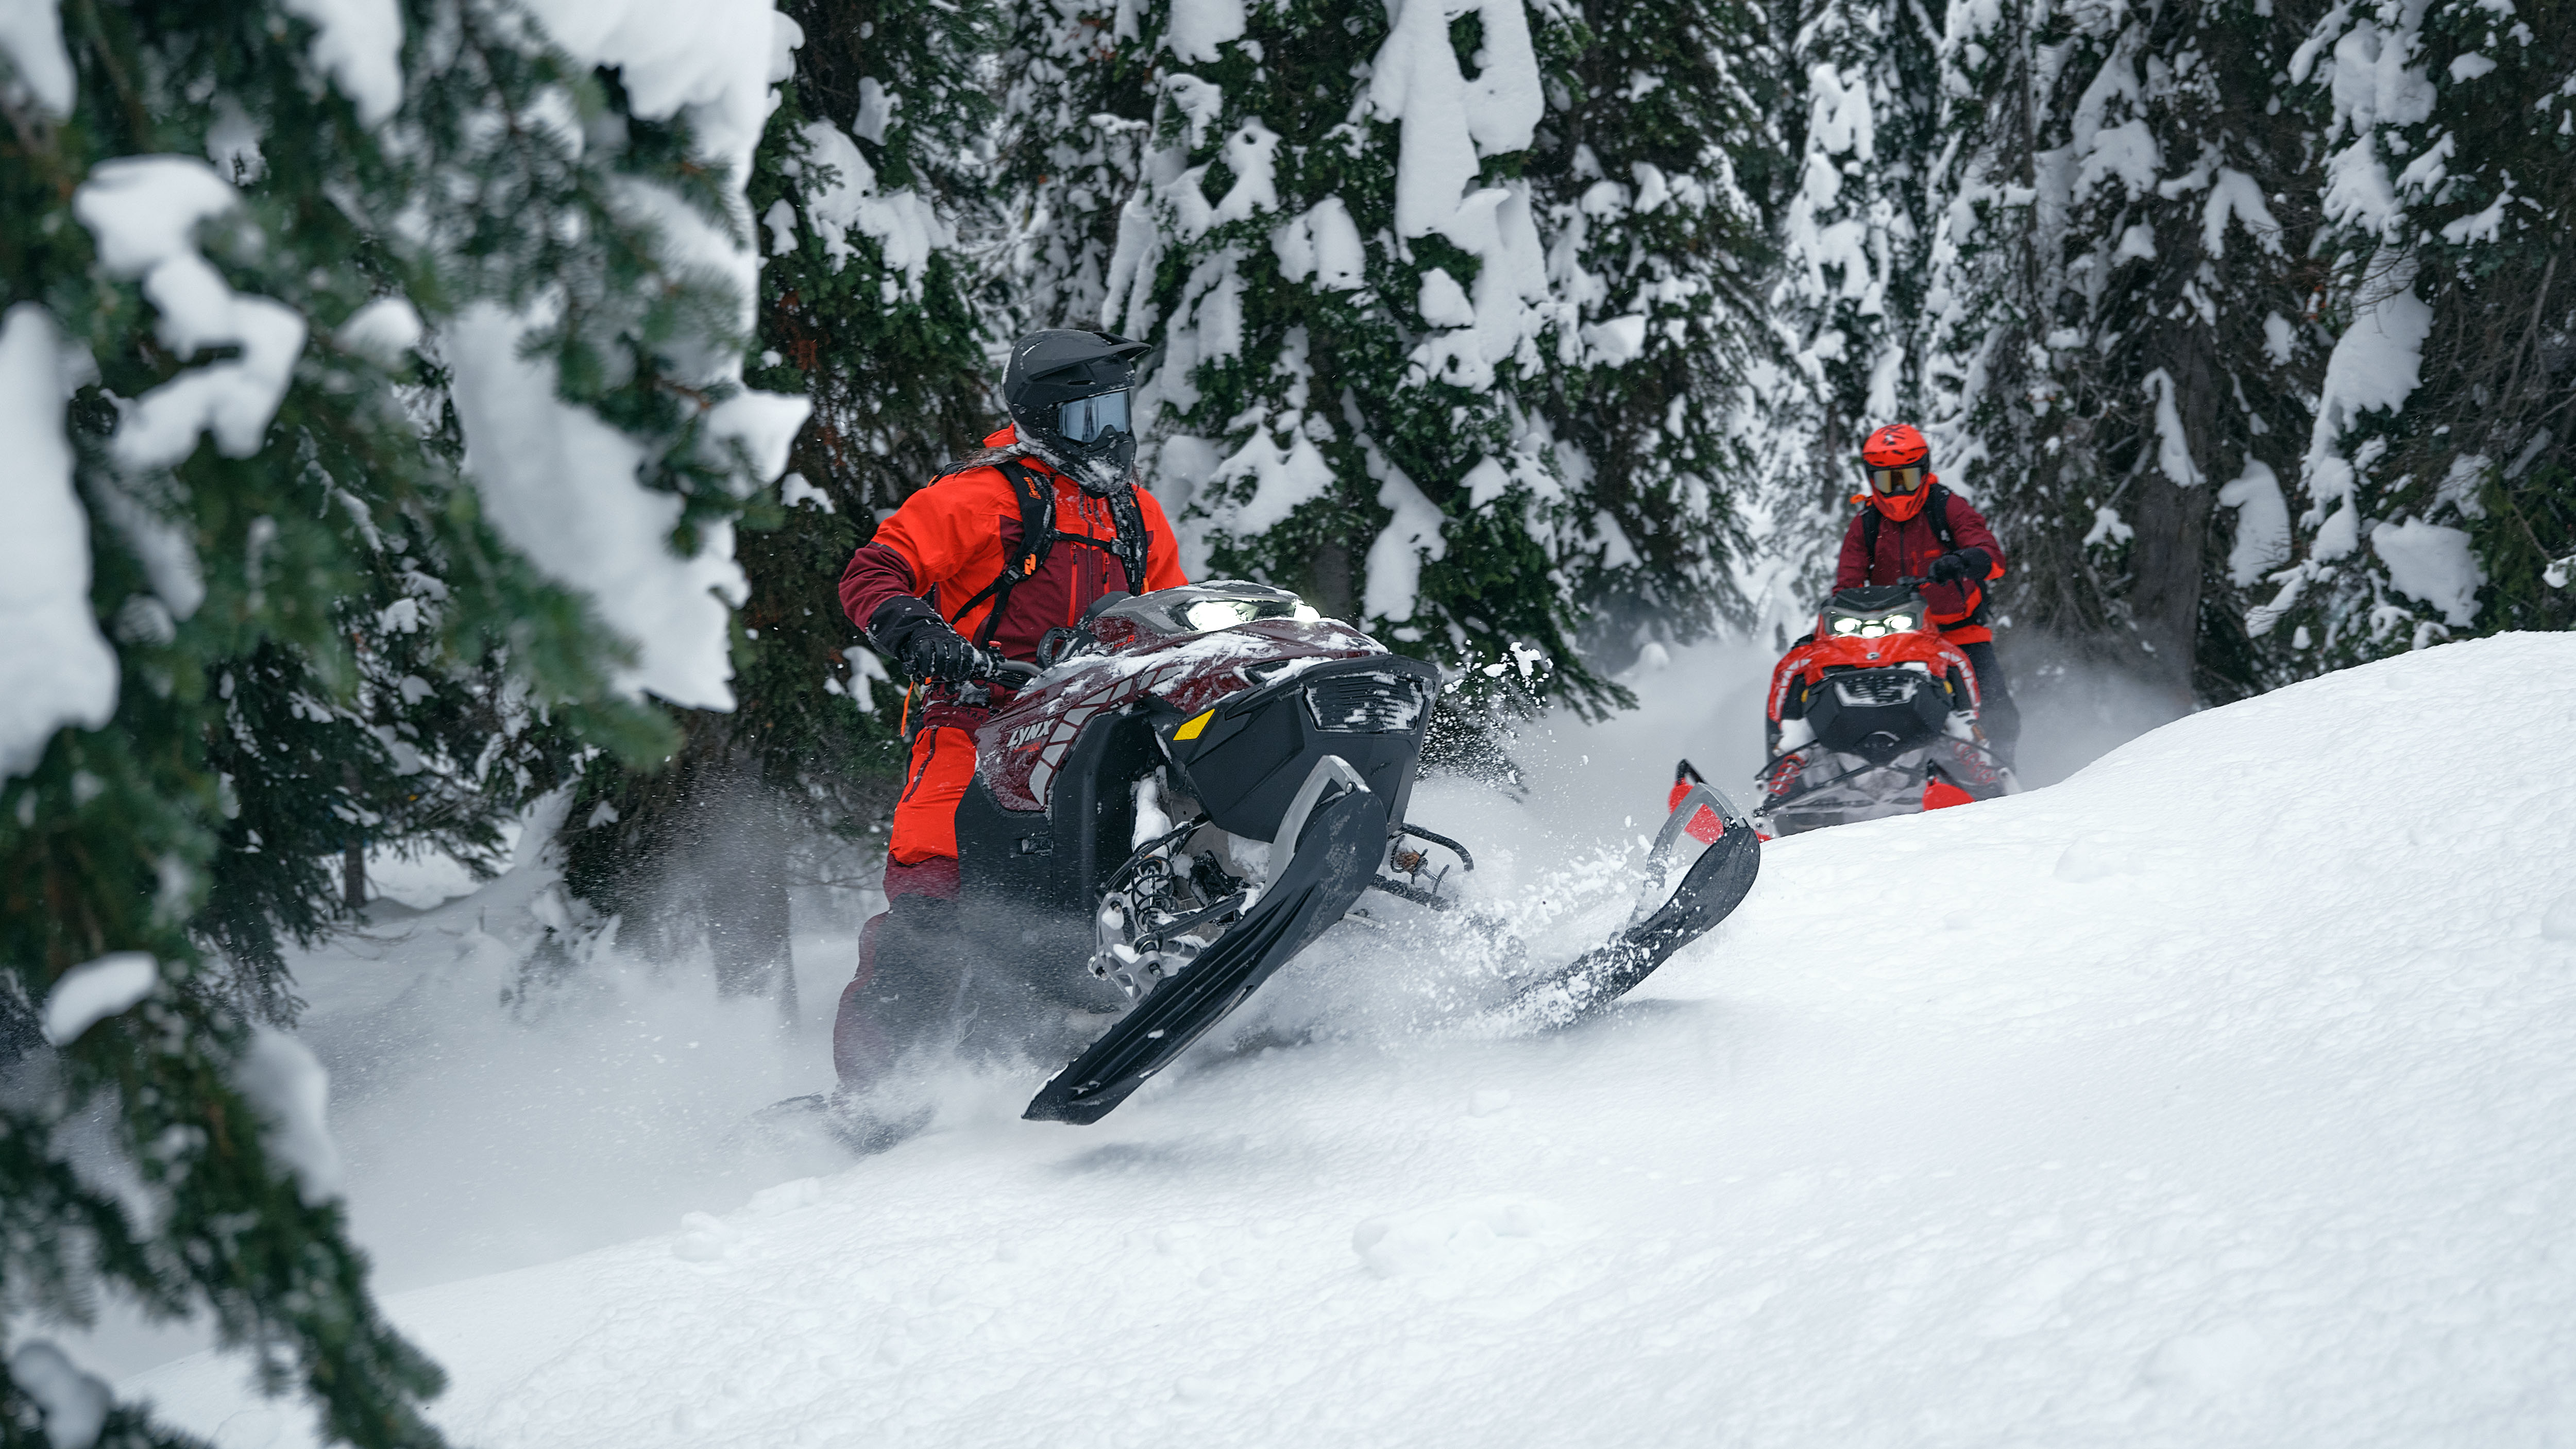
(1817, 788)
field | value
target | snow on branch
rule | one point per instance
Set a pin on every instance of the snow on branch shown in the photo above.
(1449, 123)
(55, 668)
(144, 212)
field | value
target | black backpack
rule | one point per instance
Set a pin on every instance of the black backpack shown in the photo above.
(1038, 536)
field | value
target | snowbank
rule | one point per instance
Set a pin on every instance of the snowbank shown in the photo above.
(2215, 1097)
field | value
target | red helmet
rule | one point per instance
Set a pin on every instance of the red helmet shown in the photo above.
(1897, 461)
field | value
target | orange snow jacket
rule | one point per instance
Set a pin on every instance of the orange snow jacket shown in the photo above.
(950, 542)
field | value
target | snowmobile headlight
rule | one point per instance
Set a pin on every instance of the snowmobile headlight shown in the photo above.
(1899, 623)
(1847, 626)
(1872, 629)
(1219, 614)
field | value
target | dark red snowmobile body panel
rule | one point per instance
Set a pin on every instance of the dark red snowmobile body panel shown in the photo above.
(1020, 750)
(1233, 718)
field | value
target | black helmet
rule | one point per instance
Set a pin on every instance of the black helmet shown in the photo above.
(1067, 393)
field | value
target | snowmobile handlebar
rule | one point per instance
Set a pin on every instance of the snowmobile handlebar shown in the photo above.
(993, 671)
(992, 668)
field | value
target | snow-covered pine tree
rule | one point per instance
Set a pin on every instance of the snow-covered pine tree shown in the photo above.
(1366, 346)
(2119, 338)
(2439, 471)
(1855, 108)
(1656, 246)
(1341, 334)
(418, 747)
(1078, 104)
(871, 186)
(403, 424)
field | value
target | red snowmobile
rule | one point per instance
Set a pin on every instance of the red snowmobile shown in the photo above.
(1873, 714)
(1198, 783)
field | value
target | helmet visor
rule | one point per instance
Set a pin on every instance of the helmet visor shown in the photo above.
(1084, 420)
(1896, 482)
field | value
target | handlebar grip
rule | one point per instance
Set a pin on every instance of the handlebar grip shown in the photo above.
(1008, 673)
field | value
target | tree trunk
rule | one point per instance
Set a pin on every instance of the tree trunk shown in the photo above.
(741, 865)
(2164, 599)
(2170, 557)
(1332, 583)
(353, 855)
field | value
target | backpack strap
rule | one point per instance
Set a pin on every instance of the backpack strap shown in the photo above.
(1129, 545)
(1937, 508)
(1133, 540)
(1036, 495)
(1940, 511)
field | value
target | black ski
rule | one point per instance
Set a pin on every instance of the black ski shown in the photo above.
(1338, 848)
(1709, 892)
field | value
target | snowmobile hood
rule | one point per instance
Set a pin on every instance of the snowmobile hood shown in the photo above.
(1155, 662)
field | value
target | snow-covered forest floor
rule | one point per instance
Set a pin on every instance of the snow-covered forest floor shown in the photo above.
(2215, 1096)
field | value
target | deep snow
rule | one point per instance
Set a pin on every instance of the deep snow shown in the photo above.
(2215, 1096)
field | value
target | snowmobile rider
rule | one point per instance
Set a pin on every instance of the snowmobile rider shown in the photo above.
(1007, 544)
(984, 561)
(1914, 528)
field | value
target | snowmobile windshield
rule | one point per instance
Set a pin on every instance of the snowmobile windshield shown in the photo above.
(1218, 604)
(1085, 419)
(1226, 613)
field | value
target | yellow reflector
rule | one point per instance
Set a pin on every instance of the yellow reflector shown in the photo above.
(1190, 730)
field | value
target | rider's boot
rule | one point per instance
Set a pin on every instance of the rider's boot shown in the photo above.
(909, 991)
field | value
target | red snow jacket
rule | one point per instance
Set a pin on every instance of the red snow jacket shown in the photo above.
(1906, 550)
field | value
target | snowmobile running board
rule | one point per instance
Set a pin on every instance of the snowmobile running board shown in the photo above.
(1709, 892)
(1327, 853)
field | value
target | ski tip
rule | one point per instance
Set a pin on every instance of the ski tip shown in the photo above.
(1685, 772)
(1061, 1101)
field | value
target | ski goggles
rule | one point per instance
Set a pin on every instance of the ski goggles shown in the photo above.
(1896, 481)
(1086, 419)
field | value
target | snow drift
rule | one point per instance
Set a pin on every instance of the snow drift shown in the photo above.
(2217, 1096)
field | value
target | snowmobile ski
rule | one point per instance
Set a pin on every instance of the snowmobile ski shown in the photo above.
(1710, 890)
(1329, 847)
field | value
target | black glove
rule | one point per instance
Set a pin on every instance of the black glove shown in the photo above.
(1967, 563)
(910, 631)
